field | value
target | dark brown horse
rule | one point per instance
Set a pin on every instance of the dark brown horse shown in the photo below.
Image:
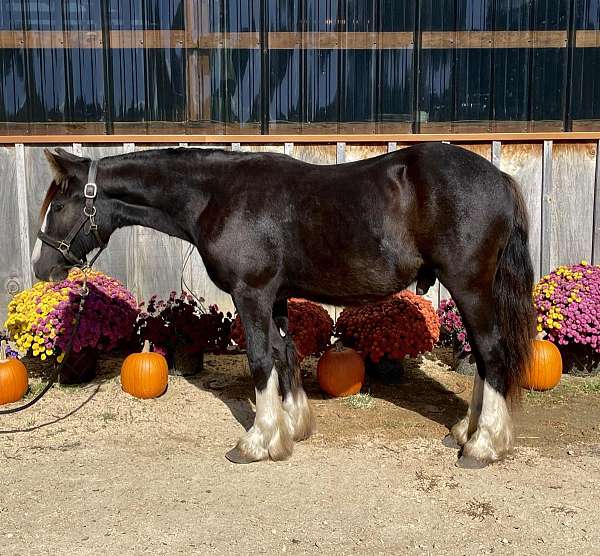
(269, 227)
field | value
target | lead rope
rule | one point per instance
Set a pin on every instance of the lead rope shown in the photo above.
(83, 294)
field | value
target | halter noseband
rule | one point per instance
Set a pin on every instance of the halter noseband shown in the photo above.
(90, 191)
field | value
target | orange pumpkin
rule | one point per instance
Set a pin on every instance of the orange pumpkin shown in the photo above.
(545, 369)
(13, 378)
(341, 371)
(145, 375)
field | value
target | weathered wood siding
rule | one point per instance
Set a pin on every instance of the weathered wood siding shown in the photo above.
(560, 182)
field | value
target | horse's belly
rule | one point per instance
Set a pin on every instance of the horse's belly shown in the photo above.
(359, 282)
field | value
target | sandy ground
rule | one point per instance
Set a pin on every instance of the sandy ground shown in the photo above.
(91, 470)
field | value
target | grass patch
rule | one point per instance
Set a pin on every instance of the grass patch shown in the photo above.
(591, 386)
(34, 389)
(480, 509)
(360, 401)
(108, 416)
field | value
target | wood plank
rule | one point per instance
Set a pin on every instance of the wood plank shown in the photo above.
(571, 210)
(523, 161)
(23, 227)
(11, 269)
(497, 153)
(596, 237)
(285, 40)
(587, 38)
(356, 151)
(494, 39)
(548, 135)
(38, 177)
(156, 259)
(318, 154)
(315, 154)
(114, 259)
(482, 149)
(546, 206)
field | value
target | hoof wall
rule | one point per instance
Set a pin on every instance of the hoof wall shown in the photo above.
(236, 456)
(466, 462)
(450, 442)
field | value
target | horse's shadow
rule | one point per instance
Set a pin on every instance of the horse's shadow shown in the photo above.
(415, 391)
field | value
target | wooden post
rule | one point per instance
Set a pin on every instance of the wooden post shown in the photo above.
(26, 274)
(596, 236)
(340, 152)
(546, 207)
(496, 153)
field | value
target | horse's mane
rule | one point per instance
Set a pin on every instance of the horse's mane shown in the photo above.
(54, 188)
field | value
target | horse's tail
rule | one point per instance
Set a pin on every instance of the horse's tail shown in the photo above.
(512, 290)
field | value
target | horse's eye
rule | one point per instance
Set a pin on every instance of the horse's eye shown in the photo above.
(57, 207)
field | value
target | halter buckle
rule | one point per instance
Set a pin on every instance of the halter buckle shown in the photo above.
(90, 190)
(63, 247)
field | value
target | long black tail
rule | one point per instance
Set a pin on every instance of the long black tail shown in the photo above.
(513, 286)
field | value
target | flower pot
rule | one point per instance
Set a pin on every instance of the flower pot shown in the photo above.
(183, 363)
(465, 364)
(580, 360)
(79, 368)
(388, 371)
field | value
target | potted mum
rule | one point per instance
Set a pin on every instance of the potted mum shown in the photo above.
(310, 326)
(181, 329)
(41, 319)
(453, 335)
(388, 331)
(567, 302)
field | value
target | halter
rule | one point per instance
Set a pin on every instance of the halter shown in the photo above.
(90, 191)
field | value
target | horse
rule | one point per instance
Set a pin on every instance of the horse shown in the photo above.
(269, 227)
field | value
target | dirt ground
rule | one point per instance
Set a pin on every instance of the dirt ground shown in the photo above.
(91, 470)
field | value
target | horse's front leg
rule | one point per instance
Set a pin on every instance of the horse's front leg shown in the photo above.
(270, 435)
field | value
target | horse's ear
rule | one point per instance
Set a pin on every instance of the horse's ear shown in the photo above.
(65, 164)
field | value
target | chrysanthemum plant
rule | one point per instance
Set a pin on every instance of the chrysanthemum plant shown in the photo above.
(182, 320)
(452, 330)
(567, 302)
(41, 319)
(402, 325)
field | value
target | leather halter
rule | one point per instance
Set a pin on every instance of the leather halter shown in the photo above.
(90, 191)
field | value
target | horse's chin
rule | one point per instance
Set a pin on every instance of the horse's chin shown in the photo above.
(58, 274)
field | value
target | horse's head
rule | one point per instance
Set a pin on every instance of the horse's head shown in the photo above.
(72, 209)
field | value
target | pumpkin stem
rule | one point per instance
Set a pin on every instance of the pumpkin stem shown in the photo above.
(3, 350)
(146, 348)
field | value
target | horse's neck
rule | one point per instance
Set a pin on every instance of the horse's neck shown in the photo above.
(155, 196)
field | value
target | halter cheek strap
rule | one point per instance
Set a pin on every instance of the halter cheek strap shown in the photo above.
(87, 219)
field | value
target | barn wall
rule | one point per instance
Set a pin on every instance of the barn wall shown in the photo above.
(560, 182)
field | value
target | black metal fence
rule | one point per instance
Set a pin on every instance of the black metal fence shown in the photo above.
(298, 66)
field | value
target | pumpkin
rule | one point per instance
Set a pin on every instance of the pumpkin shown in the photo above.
(341, 371)
(145, 375)
(545, 368)
(13, 378)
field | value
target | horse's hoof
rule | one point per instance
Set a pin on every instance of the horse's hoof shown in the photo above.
(450, 442)
(467, 462)
(236, 456)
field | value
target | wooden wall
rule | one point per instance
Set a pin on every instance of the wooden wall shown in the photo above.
(560, 181)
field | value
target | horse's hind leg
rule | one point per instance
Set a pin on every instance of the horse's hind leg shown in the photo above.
(486, 432)
(295, 403)
(270, 435)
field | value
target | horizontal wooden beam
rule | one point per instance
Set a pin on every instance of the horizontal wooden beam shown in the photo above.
(281, 40)
(276, 139)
